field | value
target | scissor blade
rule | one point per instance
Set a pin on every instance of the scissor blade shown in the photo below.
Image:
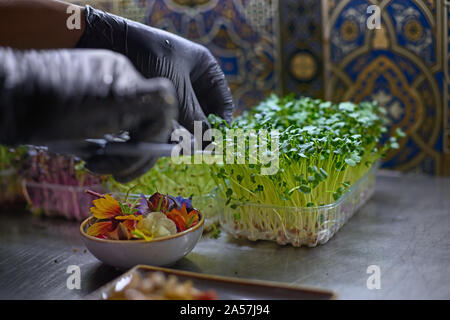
(139, 149)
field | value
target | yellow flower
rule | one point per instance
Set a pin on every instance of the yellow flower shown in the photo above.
(119, 226)
(105, 208)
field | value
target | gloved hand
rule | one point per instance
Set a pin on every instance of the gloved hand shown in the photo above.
(46, 96)
(200, 84)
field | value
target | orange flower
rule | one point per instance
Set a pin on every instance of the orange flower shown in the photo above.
(105, 208)
(182, 218)
(113, 222)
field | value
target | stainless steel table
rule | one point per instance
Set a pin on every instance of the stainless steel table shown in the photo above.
(404, 230)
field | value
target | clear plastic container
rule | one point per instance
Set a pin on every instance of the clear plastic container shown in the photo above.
(296, 226)
(56, 200)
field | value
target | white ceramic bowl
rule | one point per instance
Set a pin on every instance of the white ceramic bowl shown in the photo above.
(157, 252)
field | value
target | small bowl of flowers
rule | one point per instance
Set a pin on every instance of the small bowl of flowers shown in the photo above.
(157, 231)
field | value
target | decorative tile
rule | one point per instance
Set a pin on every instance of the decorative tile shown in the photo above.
(446, 61)
(400, 66)
(242, 34)
(302, 50)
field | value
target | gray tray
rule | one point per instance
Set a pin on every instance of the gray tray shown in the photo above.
(226, 288)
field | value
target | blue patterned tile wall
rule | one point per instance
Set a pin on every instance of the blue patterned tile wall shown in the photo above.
(402, 66)
(446, 47)
(242, 34)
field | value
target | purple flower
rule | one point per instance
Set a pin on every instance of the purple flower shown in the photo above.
(180, 200)
(143, 207)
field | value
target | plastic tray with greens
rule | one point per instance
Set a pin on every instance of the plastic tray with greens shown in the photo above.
(325, 149)
(54, 184)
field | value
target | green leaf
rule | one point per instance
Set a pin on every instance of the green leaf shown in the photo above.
(336, 196)
(188, 225)
(259, 188)
(347, 106)
(158, 208)
(305, 189)
(350, 162)
(215, 233)
(323, 173)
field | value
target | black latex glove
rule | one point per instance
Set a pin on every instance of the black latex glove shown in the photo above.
(46, 96)
(198, 79)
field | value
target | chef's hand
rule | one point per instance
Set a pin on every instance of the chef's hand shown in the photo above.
(200, 84)
(54, 95)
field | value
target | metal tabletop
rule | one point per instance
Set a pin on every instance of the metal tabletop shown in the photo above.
(404, 230)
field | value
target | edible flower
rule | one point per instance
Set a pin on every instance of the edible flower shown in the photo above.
(180, 201)
(183, 220)
(115, 220)
(155, 225)
(158, 202)
(155, 217)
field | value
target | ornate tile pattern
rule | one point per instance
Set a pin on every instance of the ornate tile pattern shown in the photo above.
(446, 62)
(131, 9)
(400, 65)
(242, 34)
(302, 48)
